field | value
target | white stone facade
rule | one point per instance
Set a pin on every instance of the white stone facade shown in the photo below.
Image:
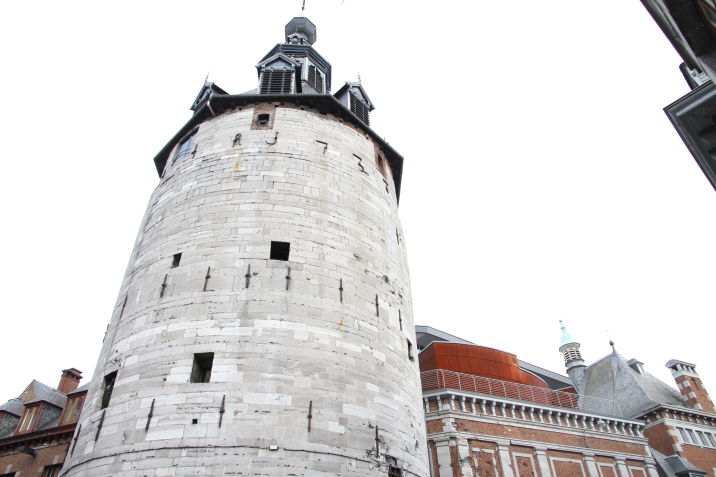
(281, 346)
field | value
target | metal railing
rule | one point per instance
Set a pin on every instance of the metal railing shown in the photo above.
(444, 379)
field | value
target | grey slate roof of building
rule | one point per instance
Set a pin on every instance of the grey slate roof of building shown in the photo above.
(45, 393)
(674, 465)
(13, 406)
(612, 378)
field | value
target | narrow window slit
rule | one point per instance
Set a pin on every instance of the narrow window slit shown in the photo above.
(201, 369)
(176, 260)
(107, 388)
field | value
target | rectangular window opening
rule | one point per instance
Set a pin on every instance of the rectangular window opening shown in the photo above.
(72, 410)
(51, 470)
(27, 423)
(394, 471)
(410, 351)
(280, 250)
(201, 370)
(380, 163)
(176, 260)
(185, 148)
(107, 388)
(263, 120)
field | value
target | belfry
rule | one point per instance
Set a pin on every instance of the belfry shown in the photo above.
(264, 325)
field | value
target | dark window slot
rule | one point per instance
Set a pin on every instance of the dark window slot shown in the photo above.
(280, 250)
(176, 260)
(201, 370)
(107, 388)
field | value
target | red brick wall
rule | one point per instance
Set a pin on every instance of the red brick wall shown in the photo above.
(484, 464)
(660, 439)
(692, 384)
(32, 466)
(549, 437)
(701, 457)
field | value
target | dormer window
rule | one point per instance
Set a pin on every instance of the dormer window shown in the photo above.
(359, 109)
(185, 148)
(72, 410)
(29, 419)
(276, 81)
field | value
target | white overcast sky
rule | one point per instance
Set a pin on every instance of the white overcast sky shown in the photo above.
(542, 180)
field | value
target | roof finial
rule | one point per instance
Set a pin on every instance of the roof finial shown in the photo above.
(611, 342)
(303, 6)
(206, 80)
(359, 77)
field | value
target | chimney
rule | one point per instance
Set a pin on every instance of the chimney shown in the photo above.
(70, 380)
(690, 385)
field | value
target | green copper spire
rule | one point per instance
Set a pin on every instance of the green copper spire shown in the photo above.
(566, 337)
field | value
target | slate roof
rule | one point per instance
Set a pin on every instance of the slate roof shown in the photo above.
(43, 392)
(674, 465)
(612, 378)
(13, 406)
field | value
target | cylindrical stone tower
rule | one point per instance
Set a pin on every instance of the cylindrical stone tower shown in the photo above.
(264, 325)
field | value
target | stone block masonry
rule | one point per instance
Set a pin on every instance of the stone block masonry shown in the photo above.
(294, 341)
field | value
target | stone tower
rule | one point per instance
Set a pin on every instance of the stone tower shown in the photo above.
(264, 325)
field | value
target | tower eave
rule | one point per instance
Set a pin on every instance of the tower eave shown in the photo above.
(324, 103)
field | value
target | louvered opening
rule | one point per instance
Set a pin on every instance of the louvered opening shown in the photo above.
(319, 82)
(359, 109)
(315, 78)
(276, 81)
(312, 75)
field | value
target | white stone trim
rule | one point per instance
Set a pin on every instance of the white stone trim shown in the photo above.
(552, 460)
(606, 464)
(515, 455)
(535, 425)
(537, 445)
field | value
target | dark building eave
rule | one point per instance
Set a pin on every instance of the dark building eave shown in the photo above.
(36, 436)
(692, 115)
(311, 52)
(324, 103)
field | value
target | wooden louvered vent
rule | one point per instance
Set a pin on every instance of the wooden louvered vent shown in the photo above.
(312, 75)
(319, 82)
(315, 78)
(276, 81)
(359, 109)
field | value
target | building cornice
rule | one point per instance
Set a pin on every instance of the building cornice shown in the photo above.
(36, 437)
(494, 403)
(541, 445)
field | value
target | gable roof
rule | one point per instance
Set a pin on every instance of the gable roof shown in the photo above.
(351, 84)
(36, 392)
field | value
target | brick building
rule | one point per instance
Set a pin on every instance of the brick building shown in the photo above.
(36, 427)
(490, 414)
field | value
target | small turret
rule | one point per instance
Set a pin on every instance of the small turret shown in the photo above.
(573, 361)
(294, 67)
